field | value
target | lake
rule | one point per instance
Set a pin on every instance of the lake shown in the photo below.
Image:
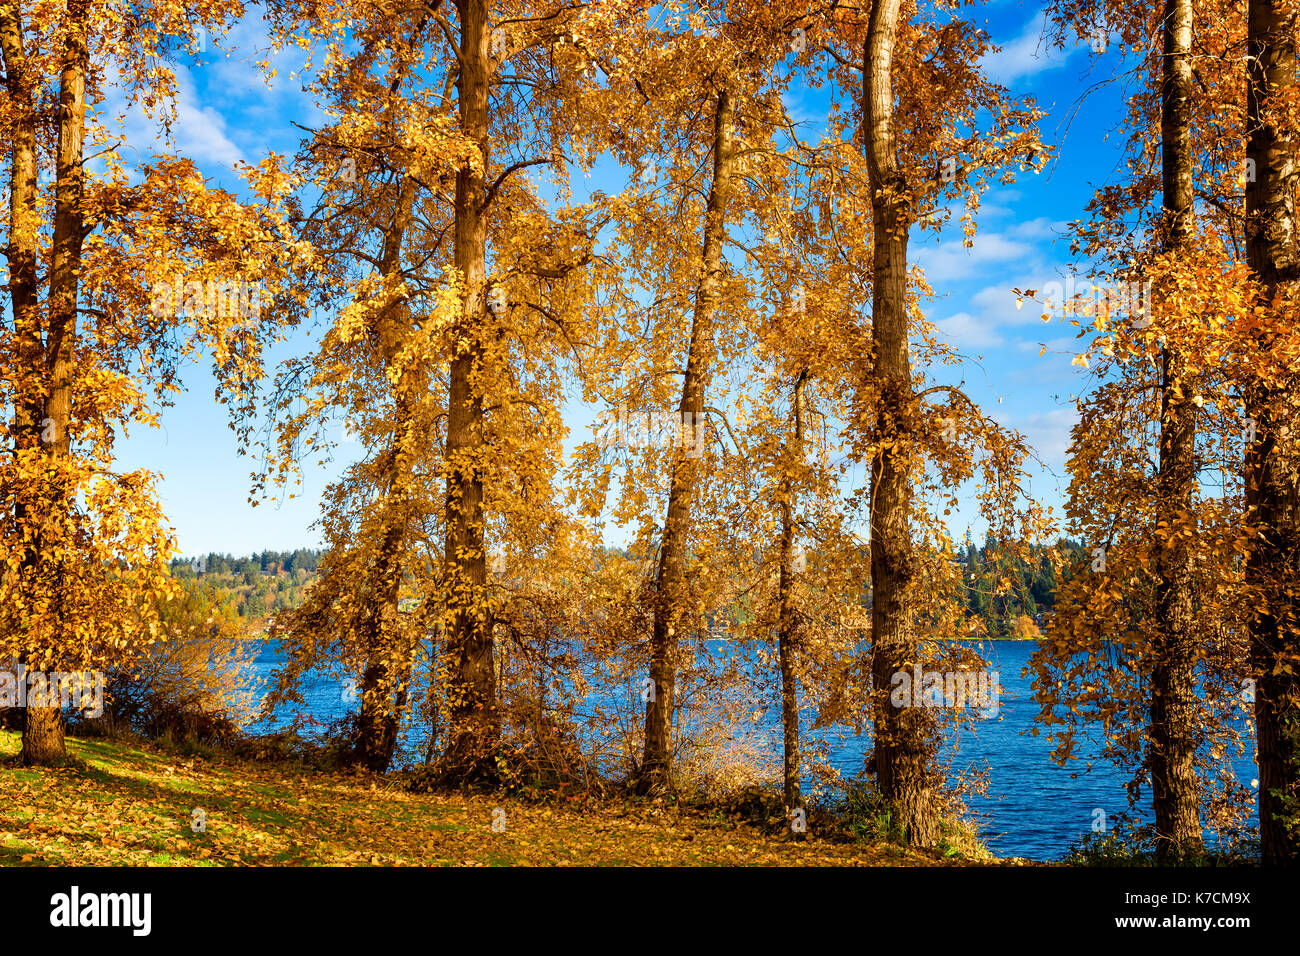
(1034, 808)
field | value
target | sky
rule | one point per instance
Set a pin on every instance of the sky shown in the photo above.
(228, 112)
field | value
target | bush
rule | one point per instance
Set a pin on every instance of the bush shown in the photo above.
(863, 813)
(329, 748)
(191, 685)
(1108, 849)
(1132, 847)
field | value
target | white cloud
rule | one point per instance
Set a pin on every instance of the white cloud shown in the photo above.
(949, 261)
(992, 310)
(965, 331)
(1049, 434)
(1038, 228)
(198, 132)
(226, 111)
(234, 83)
(1029, 54)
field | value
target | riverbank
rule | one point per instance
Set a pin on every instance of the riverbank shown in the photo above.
(129, 803)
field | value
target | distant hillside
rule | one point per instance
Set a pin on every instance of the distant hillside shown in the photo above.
(257, 586)
(1001, 592)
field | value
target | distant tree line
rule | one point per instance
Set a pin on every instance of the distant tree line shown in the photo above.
(266, 562)
(259, 585)
(1002, 588)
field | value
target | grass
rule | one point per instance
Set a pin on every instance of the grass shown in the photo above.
(129, 803)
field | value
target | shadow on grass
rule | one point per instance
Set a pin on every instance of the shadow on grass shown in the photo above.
(251, 815)
(108, 772)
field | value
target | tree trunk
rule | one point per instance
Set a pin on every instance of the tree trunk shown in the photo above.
(44, 743)
(1172, 744)
(42, 737)
(431, 744)
(384, 681)
(475, 725)
(787, 623)
(45, 724)
(902, 734)
(1273, 459)
(656, 763)
(24, 232)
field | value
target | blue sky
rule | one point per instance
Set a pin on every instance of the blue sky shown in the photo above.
(229, 113)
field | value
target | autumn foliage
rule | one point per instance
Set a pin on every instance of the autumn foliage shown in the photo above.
(726, 358)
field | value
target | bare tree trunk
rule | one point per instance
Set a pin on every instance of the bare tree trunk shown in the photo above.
(902, 734)
(43, 743)
(656, 763)
(1273, 459)
(475, 725)
(385, 681)
(387, 673)
(1172, 743)
(435, 726)
(787, 624)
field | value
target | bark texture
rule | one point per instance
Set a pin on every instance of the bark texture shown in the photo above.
(787, 621)
(384, 683)
(1273, 459)
(475, 724)
(903, 735)
(656, 764)
(1172, 738)
(43, 726)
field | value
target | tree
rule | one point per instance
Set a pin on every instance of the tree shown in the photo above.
(901, 744)
(787, 635)
(1171, 559)
(1173, 681)
(1272, 465)
(902, 196)
(679, 98)
(92, 548)
(463, 293)
(672, 555)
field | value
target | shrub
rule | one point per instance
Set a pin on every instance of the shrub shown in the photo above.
(193, 684)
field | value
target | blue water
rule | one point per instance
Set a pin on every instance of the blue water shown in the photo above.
(1034, 807)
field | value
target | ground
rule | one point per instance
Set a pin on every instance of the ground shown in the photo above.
(133, 804)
